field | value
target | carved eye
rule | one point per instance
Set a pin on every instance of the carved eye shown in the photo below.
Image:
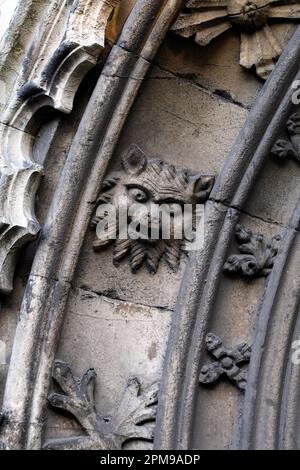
(138, 194)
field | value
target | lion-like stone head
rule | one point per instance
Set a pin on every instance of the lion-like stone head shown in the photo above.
(144, 188)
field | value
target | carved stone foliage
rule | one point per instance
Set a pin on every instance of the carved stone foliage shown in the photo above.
(257, 255)
(206, 20)
(229, 362)
(289, 147)
(151, 183)
(51, 86)
(133, 417)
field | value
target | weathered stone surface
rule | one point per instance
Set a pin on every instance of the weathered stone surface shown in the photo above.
(234, 320)
(7, 11)
(9, 318)
(133, 418)
(93, 327)
(276, 181)
(97, 273)
(214, 67)
(137, 330)
(170, 102)
(49, 86)
(145, 186)
(117, 22)
(174, 103)
(254, 20)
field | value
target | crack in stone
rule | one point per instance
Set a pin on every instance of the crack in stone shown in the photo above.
(253, 216)
(87, 289)
(135, 304)
(219, 94)
(15, 128)
(222, 95)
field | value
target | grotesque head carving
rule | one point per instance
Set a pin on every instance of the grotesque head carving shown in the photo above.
(143, 189)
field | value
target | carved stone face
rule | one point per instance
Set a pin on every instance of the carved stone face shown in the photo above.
(149, 189)
(249, 15)
(148, 184)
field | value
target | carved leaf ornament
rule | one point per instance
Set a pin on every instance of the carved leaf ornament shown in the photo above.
(133, 417)
(205, 20)
(257, 255)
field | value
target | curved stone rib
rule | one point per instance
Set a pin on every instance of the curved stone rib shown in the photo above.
(13, 236)
(105, 115)
(272, 346)
(49, 89)
(201, 281)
